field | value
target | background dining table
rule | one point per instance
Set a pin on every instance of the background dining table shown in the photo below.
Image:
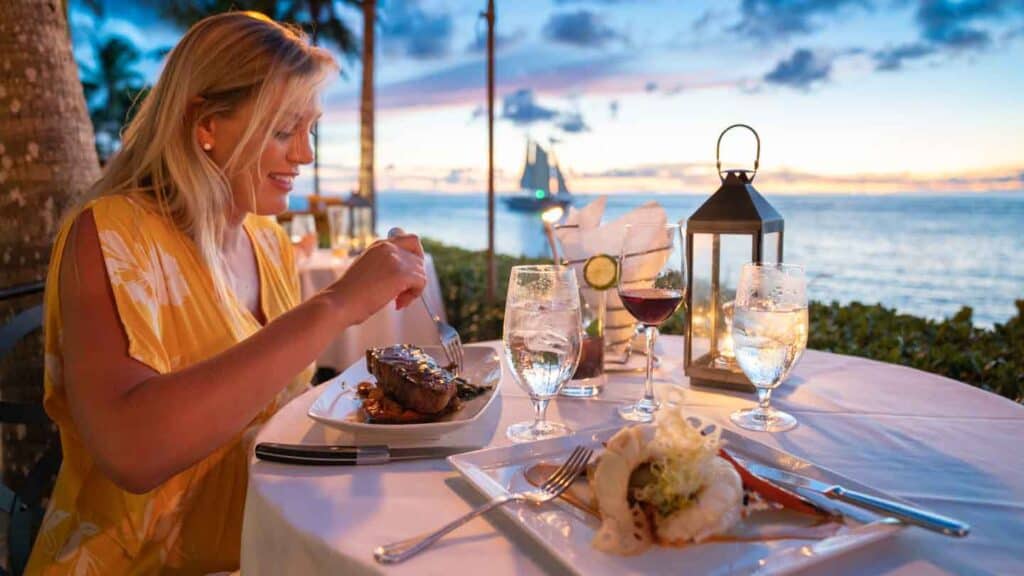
(411, 325)
(936, 442)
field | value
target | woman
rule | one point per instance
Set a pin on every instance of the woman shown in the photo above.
(173, 326)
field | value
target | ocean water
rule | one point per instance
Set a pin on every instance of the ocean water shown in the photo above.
(922, 254)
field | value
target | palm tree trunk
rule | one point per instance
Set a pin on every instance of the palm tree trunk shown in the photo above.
(366, 144)
(47, 160)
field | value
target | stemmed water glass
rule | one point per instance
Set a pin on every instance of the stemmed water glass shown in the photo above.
(652, 284)
(769, 333)
(541, 338)
(301, 227)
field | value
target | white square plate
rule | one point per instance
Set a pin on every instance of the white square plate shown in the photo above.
(566, 532)
(339, 406)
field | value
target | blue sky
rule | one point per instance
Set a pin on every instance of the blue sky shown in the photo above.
(848, 95)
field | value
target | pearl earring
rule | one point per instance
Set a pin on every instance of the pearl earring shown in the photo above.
(207, 146)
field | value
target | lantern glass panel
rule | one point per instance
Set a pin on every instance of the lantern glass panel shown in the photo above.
(700, 326)
(770, 253)
(713, 298)
(736, 250)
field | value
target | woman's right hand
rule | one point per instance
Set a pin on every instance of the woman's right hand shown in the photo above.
(388, 270)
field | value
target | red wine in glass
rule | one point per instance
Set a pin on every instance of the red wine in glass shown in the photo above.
(651, 306)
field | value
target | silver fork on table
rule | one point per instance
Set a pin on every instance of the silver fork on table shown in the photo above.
(451, 343)
(552, 488)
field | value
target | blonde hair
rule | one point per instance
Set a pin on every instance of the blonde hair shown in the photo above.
(222, 62)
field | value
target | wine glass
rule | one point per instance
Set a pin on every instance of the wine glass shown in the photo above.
(652, 284)
(541, 338)
(769, 334)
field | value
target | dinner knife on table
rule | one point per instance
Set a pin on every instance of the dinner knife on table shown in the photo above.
(903, 512)
(340, 455)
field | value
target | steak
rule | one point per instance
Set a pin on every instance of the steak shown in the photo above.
(410, 376)
(379, 408)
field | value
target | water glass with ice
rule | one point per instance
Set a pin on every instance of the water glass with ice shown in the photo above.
(769, 334)
(541, 340)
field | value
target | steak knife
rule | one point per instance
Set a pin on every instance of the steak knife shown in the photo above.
(903, 512)
(339, 455)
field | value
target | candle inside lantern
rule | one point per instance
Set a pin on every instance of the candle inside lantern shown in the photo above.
(726, 355)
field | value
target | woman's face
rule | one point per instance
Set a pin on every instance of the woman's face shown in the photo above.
(287, 148)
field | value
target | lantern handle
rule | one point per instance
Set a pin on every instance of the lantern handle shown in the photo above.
(718, 151)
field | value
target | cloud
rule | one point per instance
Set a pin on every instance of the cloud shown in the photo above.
(464, 83)
(410, 30)
(1012, 33)
(582, 28)
(459, 176)
(952, 23)
(704, 20)
(701, 176)
(572, 123)
(950, 26)
(521, 108)
(770, 20)
(801, 70)
(501, 41)
(892, 58)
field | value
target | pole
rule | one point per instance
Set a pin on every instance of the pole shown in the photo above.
(491, 273)
(316, 127)
(366, 143)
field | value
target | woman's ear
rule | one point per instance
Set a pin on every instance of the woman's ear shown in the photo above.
(206, 128)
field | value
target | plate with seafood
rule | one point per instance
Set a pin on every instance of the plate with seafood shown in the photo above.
(406, 392)
(662, 496)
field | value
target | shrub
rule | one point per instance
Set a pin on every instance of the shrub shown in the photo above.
(990, 358)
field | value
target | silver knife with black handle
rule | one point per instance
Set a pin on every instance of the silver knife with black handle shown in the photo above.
(903, 512)
(338, 455)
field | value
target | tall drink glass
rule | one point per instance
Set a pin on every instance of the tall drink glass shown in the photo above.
(769, 333)
(541, 340)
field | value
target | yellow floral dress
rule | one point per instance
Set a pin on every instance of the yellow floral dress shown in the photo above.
(170, 312)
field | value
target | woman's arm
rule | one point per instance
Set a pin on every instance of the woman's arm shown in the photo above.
(143, 427)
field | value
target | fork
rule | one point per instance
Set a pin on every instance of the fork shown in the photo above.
(552, 488)
(451, 343)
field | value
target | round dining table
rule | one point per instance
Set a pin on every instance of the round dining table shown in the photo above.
(941, 444)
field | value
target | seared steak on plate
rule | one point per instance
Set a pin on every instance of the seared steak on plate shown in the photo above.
(412, 377)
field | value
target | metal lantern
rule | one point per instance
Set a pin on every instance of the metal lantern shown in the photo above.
(360, 222)
(736, 225)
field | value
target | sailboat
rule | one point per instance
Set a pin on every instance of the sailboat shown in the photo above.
(536, 183)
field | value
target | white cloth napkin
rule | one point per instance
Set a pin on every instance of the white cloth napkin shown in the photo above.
(583, 235)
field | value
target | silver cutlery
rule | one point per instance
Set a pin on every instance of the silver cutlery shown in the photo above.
(903, 512)
(335, 455)
(451, 343)
(553, 487)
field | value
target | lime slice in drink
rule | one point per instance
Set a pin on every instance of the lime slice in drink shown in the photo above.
(601, 272)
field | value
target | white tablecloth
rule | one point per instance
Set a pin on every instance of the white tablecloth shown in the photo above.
(388, 326)
(937, 442)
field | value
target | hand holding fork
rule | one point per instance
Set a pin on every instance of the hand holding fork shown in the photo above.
(451, 343)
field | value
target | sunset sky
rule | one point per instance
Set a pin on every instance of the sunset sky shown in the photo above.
(855, 96)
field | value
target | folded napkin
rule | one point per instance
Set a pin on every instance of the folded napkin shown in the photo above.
(583, 235)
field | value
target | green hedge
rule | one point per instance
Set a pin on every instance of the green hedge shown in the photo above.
(990, 358)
